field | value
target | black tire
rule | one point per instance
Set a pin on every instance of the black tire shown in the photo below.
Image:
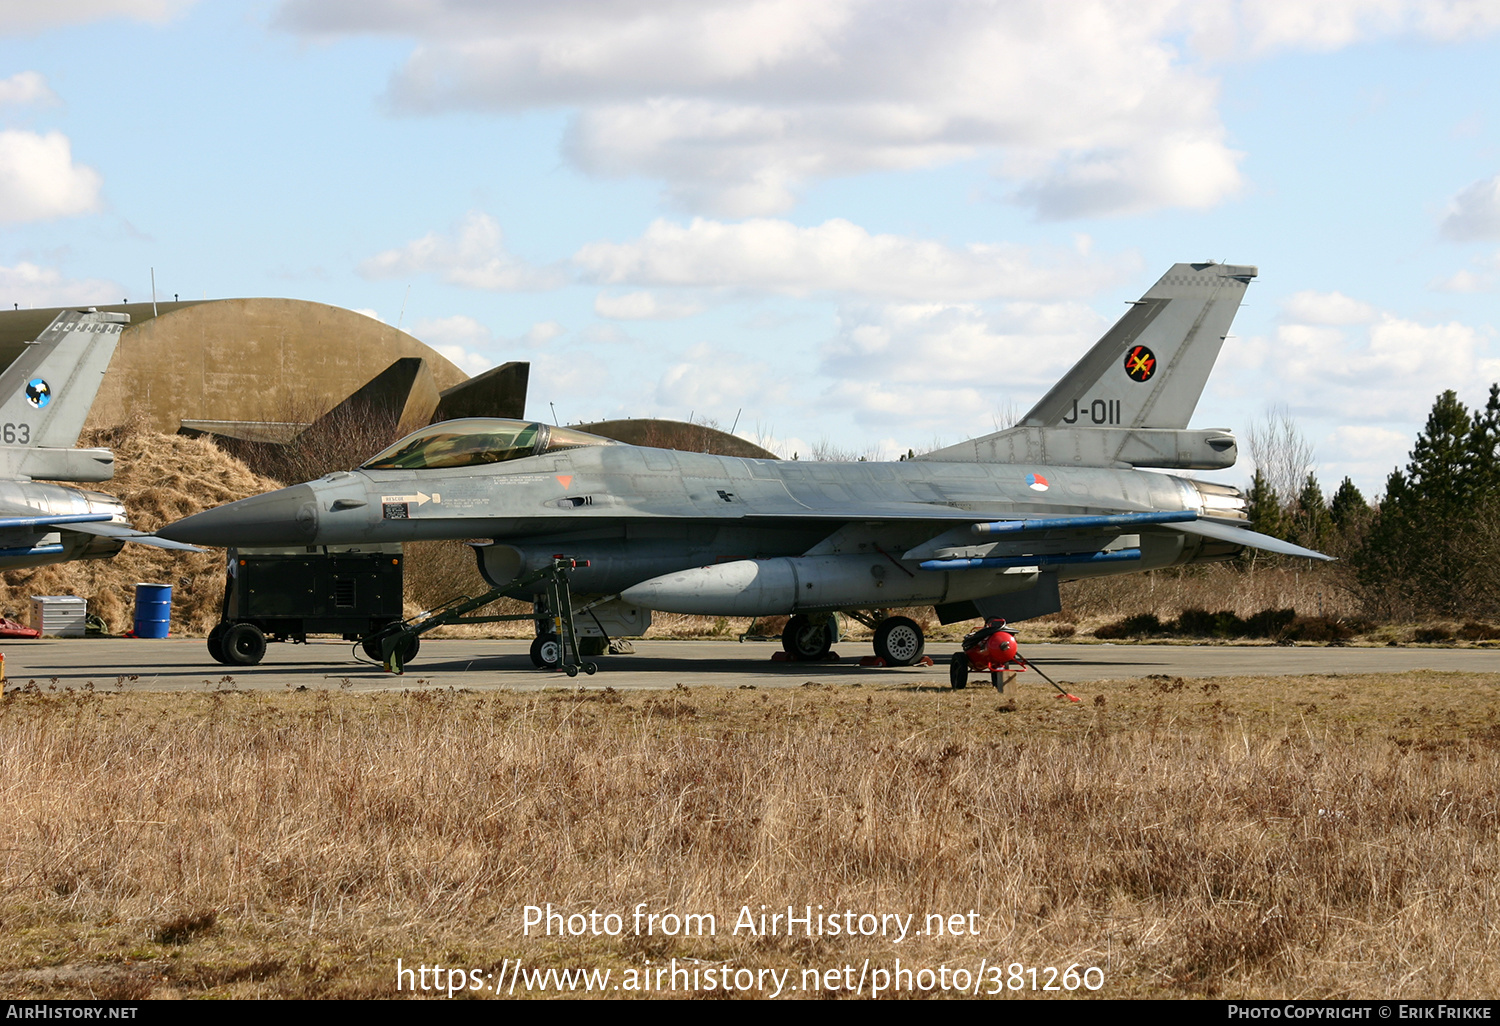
(546, 652)
(958, 671)
(804, 639)
(590, 668)
(899, 641)
(408, 653)
(216, 642)
(244, 644)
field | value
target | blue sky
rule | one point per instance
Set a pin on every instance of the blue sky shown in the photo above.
(867, 226)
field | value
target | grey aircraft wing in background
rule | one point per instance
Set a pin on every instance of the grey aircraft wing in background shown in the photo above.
(986, 527)
(45, 395)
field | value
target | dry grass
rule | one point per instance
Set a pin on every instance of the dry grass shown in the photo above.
(1308, 837)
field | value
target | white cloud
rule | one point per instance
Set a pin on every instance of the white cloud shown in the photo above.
(31, 285)
(17, 16)
(455, 330)
(1364, 452)
(39, 181)
(838, 256)
(1257, 27)
(474, 347)
(642, 306)
(370, 314)
(1094, 106)
(950, 370)
(1464, 281)
(472, 256)
(1474, 214)
(1384, 372)
(710, 379)
(542, 332)
(736, 105)
(1190, 169)
(1311, 307)
(466, 360)
(25, 87)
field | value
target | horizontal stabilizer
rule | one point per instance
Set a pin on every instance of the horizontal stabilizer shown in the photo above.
(130, 534)
(1220, 531)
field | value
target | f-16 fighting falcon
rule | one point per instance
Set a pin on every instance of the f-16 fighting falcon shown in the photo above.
(988, 527)
(45, 397)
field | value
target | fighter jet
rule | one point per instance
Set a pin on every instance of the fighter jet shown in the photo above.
(45, 397)
(986, 527)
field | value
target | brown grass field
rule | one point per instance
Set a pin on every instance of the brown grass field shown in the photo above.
(1316, 837)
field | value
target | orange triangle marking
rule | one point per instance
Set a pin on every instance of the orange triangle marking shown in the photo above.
(565, 480)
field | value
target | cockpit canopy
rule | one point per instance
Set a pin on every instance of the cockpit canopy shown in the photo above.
(476, 441)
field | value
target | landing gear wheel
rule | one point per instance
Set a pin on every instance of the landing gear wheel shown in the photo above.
(216, 641)
(806, 640)
(409, 649)
(243, 644)
(590, 668)
(899, 641)
(958, 671)
(546, 652)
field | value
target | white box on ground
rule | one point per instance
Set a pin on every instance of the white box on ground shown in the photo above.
(59, 616)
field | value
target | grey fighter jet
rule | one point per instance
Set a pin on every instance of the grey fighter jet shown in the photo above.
(987, 527)
(45, 397)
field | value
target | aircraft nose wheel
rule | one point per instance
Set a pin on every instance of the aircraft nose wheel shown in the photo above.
(899, 641)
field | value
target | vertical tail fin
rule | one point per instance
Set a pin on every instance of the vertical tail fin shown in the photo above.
(1149, 370)
(45, 395)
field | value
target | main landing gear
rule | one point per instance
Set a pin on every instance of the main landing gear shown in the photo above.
(898, 639)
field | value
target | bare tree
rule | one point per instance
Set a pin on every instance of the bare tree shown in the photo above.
(1281, 453)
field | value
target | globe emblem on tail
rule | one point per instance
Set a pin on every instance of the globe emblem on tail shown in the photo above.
(38, 392)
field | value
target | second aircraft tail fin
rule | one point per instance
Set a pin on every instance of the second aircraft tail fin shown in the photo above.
(46, 394)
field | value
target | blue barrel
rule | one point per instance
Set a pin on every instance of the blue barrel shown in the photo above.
(153, 610)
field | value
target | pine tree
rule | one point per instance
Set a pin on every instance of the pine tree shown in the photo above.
(1484, 446)
(1431, 548)
(1263, 507)
(1311, 525)
(1349, 516)
(1348, 506)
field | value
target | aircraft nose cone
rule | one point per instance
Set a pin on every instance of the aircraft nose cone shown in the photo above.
(287, 517)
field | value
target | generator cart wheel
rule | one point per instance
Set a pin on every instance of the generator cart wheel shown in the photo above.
(899, 641)
(216, 642)
(244, 644)
(958, 671)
